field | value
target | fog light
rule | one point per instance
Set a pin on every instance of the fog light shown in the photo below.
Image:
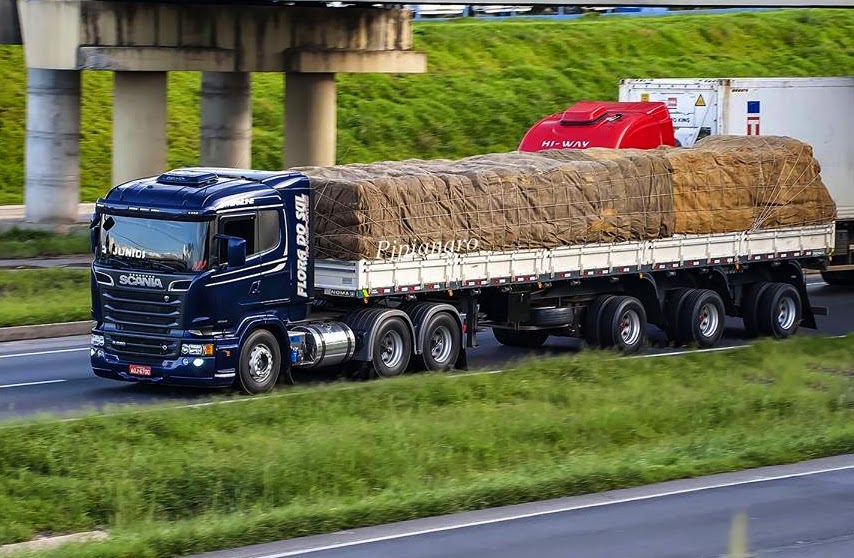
(198, 362)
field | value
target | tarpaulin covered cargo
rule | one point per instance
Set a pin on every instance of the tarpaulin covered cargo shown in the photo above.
(514, 200)
(738, 183)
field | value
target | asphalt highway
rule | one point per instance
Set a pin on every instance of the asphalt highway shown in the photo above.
(52, 376)
(793, 511)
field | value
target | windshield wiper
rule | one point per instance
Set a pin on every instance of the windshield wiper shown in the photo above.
(163, 265)
(112, 260)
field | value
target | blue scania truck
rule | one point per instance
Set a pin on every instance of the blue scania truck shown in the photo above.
(207, 277)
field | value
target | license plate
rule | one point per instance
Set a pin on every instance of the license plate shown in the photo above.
(139, 370)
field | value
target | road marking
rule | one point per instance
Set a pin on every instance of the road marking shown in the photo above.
(31, 383)
(55, 351)
(563, 509)
(693, 351)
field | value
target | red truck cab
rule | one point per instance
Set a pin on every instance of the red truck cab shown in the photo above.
(602, 124)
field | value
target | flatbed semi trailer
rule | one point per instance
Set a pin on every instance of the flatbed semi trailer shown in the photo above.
(206, 276)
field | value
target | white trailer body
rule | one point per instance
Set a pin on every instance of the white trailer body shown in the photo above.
(818, 111)
(442, 272)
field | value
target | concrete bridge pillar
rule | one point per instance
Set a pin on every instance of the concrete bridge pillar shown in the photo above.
(310, 119)
(52, 152)
(226, 135)
(141, 41)
(139, 125)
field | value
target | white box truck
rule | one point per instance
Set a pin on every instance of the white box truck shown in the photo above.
(818, 111)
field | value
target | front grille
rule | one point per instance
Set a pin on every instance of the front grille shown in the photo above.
(141, 312)
(138, 323)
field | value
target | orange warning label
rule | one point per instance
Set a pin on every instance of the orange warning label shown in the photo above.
(700, 102)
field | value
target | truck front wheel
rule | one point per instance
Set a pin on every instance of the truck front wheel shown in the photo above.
(260, 361)
(392, 348)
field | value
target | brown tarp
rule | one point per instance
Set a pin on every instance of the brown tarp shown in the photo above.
(562, 197)
(737, 183)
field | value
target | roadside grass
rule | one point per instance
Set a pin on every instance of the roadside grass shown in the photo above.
(41, 296)
(169, 481)
(25, 243)
(487, 82)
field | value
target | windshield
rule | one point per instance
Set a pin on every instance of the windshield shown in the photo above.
(140, 243)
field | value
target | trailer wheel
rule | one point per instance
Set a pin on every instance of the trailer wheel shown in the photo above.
(779, 311)
(750, 307)
(260, 362)
(528, 339)
(593, 320)
(392, 348)
(672, 307)
(441, 343)
(623, 324)
(702, 318)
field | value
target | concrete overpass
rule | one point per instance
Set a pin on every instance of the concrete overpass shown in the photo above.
(141, 41)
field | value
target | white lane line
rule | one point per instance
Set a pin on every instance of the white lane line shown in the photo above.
(36, 353)
(693, 351)
(2, 386)
(540, 513)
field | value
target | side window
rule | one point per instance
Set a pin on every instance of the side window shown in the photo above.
(268, 229)
(242, 227)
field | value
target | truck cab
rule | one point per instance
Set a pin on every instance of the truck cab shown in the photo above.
(188, 263)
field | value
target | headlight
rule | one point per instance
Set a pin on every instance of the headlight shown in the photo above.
(97, 340)
(196, 349)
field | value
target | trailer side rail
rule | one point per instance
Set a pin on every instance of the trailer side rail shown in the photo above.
(412, 273)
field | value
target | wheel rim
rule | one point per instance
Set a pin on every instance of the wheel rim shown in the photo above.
(786, 313)
(709, 318)
(630, 329)
(391, 349)
(260, 363)
(441, 344)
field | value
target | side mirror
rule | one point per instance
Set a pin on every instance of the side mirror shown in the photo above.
(94, 236)
(235, 249)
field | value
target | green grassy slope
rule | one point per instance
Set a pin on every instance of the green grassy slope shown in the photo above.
(487, 82)
(171, 482)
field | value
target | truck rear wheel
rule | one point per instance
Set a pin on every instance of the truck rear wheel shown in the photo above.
(260, 362)
(593, 320)
(441, 343)
(779, 311)
(701, 318)
(672, 308)
(623, 325)
(528, 339)
(750, 307)
(392, 348)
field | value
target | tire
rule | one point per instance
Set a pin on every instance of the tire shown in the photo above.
(702, 318)
(750, 307)
(260, 362)
(441, 343)
(672, 307)
(551, 317)
(527, 339)
(779, 311)
(392, 348)
(838, 278)
(593, 319)
(623, 325)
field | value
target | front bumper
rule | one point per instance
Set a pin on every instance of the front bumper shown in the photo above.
(181, 371)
